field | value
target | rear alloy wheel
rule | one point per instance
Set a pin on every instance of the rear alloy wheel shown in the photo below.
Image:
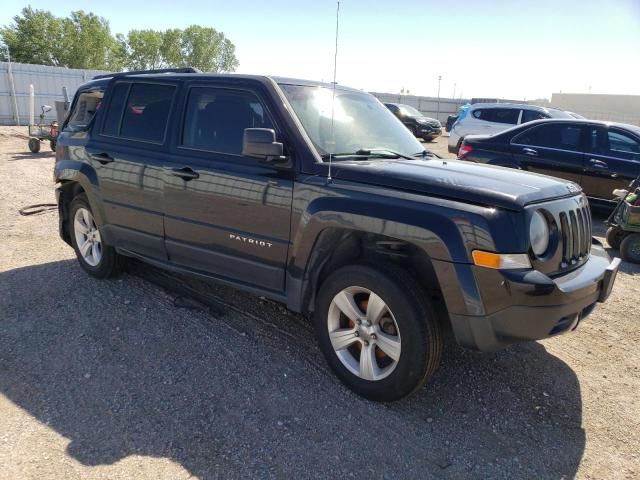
(377, 331)
(87, 237)
(94, 256)
(630, 248)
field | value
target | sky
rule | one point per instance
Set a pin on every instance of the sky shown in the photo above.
(512, 49)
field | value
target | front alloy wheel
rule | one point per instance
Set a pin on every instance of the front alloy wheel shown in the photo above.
(364, 333)
(377, 330)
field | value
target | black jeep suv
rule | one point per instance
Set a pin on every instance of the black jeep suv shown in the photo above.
(334, 209)
(421, 126)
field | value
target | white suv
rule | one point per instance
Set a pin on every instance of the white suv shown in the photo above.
(488, 118)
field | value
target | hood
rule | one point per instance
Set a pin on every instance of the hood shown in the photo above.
(466, 181)
(427, 119)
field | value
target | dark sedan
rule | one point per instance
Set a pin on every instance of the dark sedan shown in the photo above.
(599, 156)
(422, 127)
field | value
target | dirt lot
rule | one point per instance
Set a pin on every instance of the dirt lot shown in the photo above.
(146, 376)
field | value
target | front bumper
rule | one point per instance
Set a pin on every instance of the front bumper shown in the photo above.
(528, 305)
(429, 132)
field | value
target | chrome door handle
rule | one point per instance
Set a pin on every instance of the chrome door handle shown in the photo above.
(530, 151)
(598, 163)
(102, 157)
(185, 173)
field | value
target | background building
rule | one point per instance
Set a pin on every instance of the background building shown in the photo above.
(614, 108)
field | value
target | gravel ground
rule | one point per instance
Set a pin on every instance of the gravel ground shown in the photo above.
(154, 376)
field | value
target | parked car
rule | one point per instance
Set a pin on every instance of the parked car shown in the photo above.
(598, 156)
(422, 127)
(487, 118)
(451, 119)
(333, 209)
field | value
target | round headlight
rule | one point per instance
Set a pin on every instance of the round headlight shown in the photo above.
(539, 234)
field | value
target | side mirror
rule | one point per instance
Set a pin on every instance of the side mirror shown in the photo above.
(261, 143)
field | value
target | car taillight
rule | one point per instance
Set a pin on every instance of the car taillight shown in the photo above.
(464, 151)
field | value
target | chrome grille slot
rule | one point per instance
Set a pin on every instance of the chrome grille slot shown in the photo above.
(575, 237)
(575, 230)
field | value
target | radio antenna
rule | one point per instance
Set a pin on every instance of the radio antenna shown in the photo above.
(333, 98)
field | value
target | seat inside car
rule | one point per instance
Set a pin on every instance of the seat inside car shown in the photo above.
(221, 124)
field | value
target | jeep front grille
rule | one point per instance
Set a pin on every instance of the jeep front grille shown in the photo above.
(575, 231)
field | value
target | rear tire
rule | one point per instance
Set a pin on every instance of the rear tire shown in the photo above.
(403, 339)
(34, 145)
(630, 248)
(95, 257)
(615, 236)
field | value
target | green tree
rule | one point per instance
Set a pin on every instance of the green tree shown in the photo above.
(88, 42)
(34, 37)
(144, 50)
(207, 49)
(84, 40)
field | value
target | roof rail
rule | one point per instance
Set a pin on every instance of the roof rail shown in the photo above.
(143, 72)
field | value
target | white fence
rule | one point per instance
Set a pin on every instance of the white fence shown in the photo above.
(47, 83)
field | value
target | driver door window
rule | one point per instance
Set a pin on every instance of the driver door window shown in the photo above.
(215, 119)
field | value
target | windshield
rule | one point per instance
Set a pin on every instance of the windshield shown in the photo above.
(410, 111)
(360, 122)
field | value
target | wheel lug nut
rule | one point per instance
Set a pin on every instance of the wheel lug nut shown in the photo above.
(359, 322)
(373, 336)
(357, 334)
(366, 344)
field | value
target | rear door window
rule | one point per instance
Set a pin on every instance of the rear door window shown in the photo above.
(215, 119)
(531, 115)
(145, 113)
(111, 125)
(498, 115)
(560, 136)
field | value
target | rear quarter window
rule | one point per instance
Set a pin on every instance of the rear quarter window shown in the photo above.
(84, 110)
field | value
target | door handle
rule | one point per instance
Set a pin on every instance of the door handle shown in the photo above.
(598, 163)
(185, 173)
(530, 151)
(102, 157)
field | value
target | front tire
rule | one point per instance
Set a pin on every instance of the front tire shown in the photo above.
(630, 248)
(95, 257)
(614, 237)
(377, 331)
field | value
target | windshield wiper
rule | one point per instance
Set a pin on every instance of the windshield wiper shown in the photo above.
(382, 153)
(426, 153)
(366, 153)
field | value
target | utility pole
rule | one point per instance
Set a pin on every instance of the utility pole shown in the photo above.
(454, 90)
(12, 87)
(438, 114)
